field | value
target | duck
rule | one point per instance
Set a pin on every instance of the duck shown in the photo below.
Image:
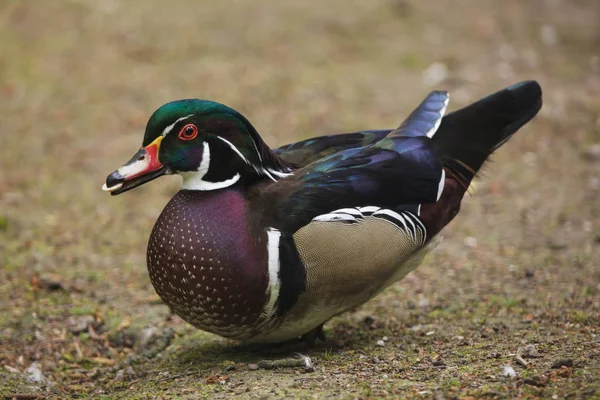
(267, 244)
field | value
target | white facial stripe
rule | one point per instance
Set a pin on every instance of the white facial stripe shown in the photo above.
(239, 153)
(279, 173)
(169, 128)
(274, 265)
(268, 172)
(194, 180)
(264, 171)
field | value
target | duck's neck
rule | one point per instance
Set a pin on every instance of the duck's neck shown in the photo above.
(196, 180)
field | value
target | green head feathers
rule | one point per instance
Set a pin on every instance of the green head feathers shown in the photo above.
(188, 127)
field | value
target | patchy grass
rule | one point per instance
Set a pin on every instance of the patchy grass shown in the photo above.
(78, 80)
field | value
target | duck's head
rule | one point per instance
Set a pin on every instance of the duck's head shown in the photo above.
(211, 145)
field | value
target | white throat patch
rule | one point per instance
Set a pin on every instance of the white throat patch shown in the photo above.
(194, 180)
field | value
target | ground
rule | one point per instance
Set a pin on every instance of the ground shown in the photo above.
(515, 282)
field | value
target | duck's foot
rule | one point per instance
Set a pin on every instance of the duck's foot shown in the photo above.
(311, 337)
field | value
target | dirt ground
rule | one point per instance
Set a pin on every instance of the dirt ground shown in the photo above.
(515, 282)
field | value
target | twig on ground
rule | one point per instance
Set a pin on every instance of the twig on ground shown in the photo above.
(23, 396)
(168, 378)
(301, 361)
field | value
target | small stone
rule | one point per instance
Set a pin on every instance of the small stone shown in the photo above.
(429, 333)
(380, 343)
(558, 242)
(228, 365)
(435, 74)
(385, 338)
(530, 159)
(368, 320)
(147, 334)
(11, 369)
(80, 323)
(528, 351)
(549, 35)
(125, 374)
(470, 241)
(253, 367)
(34, 373)
(529, 273)
(566, 362)
(592, 153)
(509, 371)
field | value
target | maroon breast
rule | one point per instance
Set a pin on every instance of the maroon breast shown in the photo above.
(206, 265)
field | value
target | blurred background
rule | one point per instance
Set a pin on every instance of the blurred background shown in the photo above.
(79, 79)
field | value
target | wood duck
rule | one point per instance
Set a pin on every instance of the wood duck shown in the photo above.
(265, 245)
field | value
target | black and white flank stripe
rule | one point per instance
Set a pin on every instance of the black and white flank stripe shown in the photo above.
(404, 220)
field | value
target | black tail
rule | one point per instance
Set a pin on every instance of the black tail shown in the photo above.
(467, 137)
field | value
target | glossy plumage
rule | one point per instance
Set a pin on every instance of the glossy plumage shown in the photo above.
(267, 245)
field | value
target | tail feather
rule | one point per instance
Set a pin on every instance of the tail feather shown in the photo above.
(467, 137)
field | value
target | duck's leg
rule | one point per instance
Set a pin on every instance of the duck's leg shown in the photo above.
(317, 333)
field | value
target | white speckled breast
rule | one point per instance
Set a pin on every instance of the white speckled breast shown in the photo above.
(205, 264)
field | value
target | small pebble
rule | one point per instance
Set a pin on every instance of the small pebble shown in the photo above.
(528, 351)
(385, 338)
(80, 323)
(380, 343)
(509, 371)
(530, 159)
(592, 153)
(549, 35)
(11, 369)
(435, 74)
(34, 373)
(470, 241)
(125, 374)
(252, 367)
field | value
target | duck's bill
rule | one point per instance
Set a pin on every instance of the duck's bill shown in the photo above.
(143, 167)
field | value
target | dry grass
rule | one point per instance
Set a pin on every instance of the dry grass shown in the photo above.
(78, 80)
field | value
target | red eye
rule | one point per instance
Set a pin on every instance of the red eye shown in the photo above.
(188, 132)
